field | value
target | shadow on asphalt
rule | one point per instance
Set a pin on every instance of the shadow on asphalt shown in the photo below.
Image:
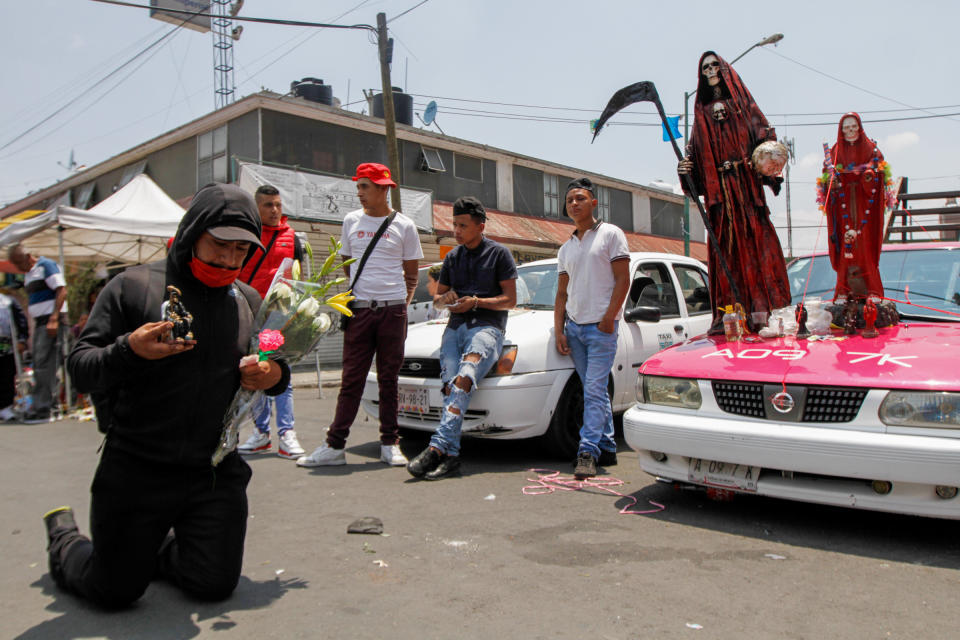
(897, 538)
(174, 618)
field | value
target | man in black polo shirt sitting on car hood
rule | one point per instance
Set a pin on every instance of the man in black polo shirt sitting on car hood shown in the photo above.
(478, 284)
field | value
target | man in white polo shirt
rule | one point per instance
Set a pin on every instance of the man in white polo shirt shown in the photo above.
(594, 270)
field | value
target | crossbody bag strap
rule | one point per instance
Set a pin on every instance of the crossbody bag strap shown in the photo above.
(266, 250)
(369, 250)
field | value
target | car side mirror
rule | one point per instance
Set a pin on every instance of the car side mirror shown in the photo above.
(643, 314)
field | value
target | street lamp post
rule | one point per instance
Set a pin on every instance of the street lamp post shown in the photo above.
(775, 38)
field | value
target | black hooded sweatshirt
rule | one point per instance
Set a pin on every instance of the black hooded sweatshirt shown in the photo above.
(171, 410)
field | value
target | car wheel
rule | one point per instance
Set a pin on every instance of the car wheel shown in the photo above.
(563, 436)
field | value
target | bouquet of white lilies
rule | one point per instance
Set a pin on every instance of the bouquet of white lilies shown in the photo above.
(290, 323)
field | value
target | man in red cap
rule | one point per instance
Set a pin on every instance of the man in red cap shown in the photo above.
(383, 286)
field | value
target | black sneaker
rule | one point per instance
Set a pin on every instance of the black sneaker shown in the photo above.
(427, 460)
(36, 417)
(586, 466)
(59, 518)
(607, 458)
(59, 521)
(449, 465)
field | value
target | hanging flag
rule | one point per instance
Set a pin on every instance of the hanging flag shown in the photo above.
(674, 127)
(593, 125)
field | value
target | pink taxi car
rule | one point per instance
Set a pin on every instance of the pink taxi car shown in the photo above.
(869, 423)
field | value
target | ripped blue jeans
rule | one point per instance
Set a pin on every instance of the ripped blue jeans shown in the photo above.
(486, 342)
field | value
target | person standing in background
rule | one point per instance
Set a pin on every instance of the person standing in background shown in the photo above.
(13, 322)
(279, 242)
(47, 305)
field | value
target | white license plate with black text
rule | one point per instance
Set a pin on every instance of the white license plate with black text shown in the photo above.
(414, 399)
(726, 475)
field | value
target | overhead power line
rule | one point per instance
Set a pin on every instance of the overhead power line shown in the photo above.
(598, 110)
(850, 84)
(90, 88)
(289, 23)
(403, 13)
(480, 113)
(311, 34)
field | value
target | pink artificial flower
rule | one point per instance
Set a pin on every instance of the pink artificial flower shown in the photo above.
(270, 340)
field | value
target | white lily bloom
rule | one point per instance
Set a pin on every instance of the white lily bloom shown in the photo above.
(280, 295)
(322, 322)
(309, 307)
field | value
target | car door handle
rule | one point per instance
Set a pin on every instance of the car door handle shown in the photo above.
(678, 328)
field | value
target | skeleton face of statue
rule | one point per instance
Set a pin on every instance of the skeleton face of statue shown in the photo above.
(850, 236)
(850, 128)
(711, 70)
(719, 112)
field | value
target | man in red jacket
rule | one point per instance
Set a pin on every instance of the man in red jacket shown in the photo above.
(279, 242)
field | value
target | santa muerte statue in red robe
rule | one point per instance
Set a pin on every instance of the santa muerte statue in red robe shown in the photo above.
(853, 193)
(728, 126)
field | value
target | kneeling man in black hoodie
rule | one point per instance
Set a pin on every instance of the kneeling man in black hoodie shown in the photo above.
(158, 507)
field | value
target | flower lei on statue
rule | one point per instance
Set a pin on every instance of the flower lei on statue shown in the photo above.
(831, 177)
(290, 323)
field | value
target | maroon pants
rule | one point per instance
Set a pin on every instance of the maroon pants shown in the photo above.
(370, 331)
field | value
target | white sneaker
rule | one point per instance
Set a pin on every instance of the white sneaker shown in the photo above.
(7, 414)
(323, 456)
(391, 454)
(256, 443)
(289, 446)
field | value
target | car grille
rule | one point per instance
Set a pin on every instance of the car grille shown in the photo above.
(420, 367)
(832, 405)
(743, 399)
(817, 404)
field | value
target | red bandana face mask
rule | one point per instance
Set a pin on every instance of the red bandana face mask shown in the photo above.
(210, 275)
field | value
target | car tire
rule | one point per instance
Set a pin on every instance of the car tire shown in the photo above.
(563, 435)
(562, 438)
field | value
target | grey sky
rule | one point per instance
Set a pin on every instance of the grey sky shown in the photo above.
(556, 54)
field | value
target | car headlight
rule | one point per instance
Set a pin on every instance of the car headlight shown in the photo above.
(669, 392)
(934, 409)
(504, 366)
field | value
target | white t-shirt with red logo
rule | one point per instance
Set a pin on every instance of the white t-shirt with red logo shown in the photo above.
(382, 275)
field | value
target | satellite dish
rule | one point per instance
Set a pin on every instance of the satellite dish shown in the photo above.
(430, 113)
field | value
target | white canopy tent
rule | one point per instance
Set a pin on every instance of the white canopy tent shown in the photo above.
(130, 227)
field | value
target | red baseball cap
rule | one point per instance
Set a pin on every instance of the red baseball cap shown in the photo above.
(376, 173)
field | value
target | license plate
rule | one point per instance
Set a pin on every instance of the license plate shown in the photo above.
(414, 399)
(723, 474)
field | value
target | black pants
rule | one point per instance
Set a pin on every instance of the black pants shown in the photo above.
(134, 506)
(8, 374)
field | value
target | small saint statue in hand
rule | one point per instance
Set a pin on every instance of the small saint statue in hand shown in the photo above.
(174, 311)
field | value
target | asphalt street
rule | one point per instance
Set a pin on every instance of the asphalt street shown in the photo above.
(474, 557)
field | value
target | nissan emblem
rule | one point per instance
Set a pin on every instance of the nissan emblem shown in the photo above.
(783, 402)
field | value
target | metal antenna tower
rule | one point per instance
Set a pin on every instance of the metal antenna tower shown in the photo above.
(223, 36)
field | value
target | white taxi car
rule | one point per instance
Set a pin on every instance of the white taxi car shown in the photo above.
(533, 390)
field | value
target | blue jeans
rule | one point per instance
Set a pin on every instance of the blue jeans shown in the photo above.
(593, 353)
(485, 341)
(284, 404)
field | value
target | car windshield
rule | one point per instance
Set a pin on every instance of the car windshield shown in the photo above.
(537, 286)
(928, 277)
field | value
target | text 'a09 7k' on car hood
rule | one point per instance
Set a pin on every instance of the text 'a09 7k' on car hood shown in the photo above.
(905, 356)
